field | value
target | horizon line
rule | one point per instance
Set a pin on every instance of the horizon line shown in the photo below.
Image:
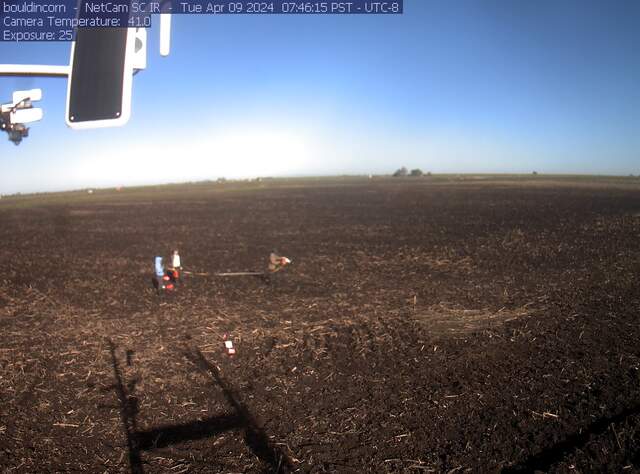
(223, 180)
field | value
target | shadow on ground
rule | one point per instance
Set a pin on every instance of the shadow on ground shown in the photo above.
(272, 458)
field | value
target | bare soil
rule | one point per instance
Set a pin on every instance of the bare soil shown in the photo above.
(424, 326)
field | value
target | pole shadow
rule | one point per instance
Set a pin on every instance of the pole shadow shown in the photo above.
(164, 436)
(254, 436)
(128, 412)
(545, 459)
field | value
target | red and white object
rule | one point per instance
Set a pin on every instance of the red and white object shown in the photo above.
(277, 262)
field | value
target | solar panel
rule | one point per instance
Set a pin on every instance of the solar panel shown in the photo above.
(101, 78)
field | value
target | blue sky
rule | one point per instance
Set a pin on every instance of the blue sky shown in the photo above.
(450, 86)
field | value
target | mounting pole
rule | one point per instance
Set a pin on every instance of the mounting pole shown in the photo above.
(165, 34)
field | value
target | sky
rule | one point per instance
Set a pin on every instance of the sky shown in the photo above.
(465, 86)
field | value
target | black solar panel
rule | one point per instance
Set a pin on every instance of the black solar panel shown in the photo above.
(97, 78)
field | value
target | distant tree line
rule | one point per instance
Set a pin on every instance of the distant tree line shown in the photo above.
(415, 173)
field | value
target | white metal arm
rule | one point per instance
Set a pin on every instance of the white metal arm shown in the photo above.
(34, 70)
(165, 34)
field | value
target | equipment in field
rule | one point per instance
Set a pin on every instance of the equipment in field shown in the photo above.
(100, 75)
(275, 264)
(159, 267)
(238, 274)
(175, 260)
(196, 273)
(176, 267)
(163, 280)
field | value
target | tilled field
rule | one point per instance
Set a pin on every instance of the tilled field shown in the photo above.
(424, 326)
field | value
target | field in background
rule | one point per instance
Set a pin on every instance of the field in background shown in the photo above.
(186, 190)
(436, 324)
